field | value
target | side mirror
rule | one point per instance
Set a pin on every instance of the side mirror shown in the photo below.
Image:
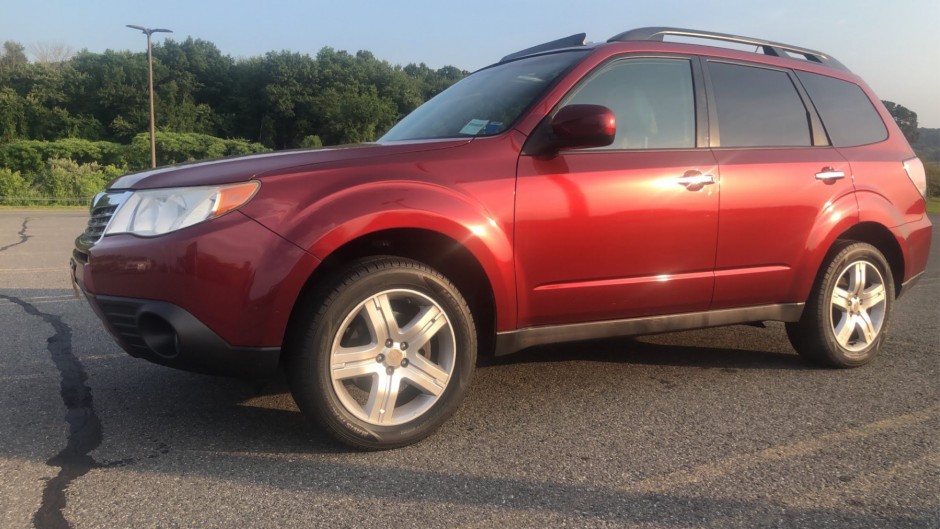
(583, 126)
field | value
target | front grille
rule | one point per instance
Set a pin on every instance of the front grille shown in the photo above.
(100, 217)
(102, 209)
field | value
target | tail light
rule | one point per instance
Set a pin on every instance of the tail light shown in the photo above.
(915, 171)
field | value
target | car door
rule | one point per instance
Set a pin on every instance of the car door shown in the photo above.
(627, 230)
(782, 184)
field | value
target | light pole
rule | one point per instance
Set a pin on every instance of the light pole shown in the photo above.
(153, 141)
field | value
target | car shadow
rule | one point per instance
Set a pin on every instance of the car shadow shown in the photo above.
(231, 415)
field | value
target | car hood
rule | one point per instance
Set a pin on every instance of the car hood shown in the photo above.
(242, 168)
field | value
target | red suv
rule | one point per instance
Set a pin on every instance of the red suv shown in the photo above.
(567, 192)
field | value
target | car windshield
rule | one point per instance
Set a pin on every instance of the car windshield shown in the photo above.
(486, 102)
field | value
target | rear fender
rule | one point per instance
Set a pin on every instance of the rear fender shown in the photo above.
(833, 220)
(913, 238)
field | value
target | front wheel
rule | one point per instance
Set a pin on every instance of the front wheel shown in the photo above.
(845, 321)
(385, 356)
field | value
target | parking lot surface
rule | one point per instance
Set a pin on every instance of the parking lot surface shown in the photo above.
(720, 428)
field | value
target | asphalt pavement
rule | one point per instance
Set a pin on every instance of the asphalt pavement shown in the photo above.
(719, 428)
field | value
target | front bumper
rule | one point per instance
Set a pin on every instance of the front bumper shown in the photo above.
(166, 334)
(212, 298)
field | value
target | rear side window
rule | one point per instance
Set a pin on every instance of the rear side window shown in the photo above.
(846, 112)
(758, 107)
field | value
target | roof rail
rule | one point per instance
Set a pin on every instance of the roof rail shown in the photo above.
(566, 42)
(776, 49)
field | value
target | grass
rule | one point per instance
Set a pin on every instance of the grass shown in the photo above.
(933, 204)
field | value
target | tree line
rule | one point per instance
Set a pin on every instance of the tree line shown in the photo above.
(281, 100)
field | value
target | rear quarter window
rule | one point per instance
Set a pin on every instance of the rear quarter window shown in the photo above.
(846, 112)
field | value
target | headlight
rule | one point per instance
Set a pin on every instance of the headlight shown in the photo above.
(157, 211)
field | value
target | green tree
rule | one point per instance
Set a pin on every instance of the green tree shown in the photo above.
(353, 117)
(13, 122)
(284, 106)
(112, 88)
(192, 79)
(905, 118)
(14, 54)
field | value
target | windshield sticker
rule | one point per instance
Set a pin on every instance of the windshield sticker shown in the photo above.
(493, 127)
(474, 127)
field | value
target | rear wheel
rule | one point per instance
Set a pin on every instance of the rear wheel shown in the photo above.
(845, 321)
(385, 356)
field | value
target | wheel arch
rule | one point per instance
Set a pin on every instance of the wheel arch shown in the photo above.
(849, 225)
(433, 248)
(881, 238)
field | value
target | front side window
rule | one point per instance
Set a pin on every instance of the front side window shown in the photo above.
(845, 110)
(652, 99)
(486, 102)
(758, 107)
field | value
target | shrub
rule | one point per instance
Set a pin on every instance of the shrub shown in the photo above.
(30, 156)
(15, 189)
(21, 155)
(65, 179)
(311, 141)
(72, 170)
(60, 181)
(179, 147)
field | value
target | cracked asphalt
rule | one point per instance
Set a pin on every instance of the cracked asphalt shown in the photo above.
(719, 428)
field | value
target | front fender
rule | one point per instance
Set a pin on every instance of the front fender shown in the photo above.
(336, 219)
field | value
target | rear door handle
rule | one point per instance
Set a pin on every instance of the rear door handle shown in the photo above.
(828, 173)
(695, 179)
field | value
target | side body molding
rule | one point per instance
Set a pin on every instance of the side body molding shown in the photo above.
(511, 342)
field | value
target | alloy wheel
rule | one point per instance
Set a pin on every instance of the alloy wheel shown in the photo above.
(392, 357)
(858, 304)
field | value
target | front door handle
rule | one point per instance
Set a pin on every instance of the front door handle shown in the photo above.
(695, 180)
(829, 174)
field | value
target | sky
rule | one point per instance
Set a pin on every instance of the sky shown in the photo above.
(893, 46)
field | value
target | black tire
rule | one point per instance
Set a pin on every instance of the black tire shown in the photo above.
(856, 310)
(348, 315)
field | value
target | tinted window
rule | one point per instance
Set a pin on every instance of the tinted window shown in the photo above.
(652, 99)
(846, 112)
(758, 107)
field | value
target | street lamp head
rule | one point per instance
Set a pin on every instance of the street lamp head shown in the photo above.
(148, 31)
